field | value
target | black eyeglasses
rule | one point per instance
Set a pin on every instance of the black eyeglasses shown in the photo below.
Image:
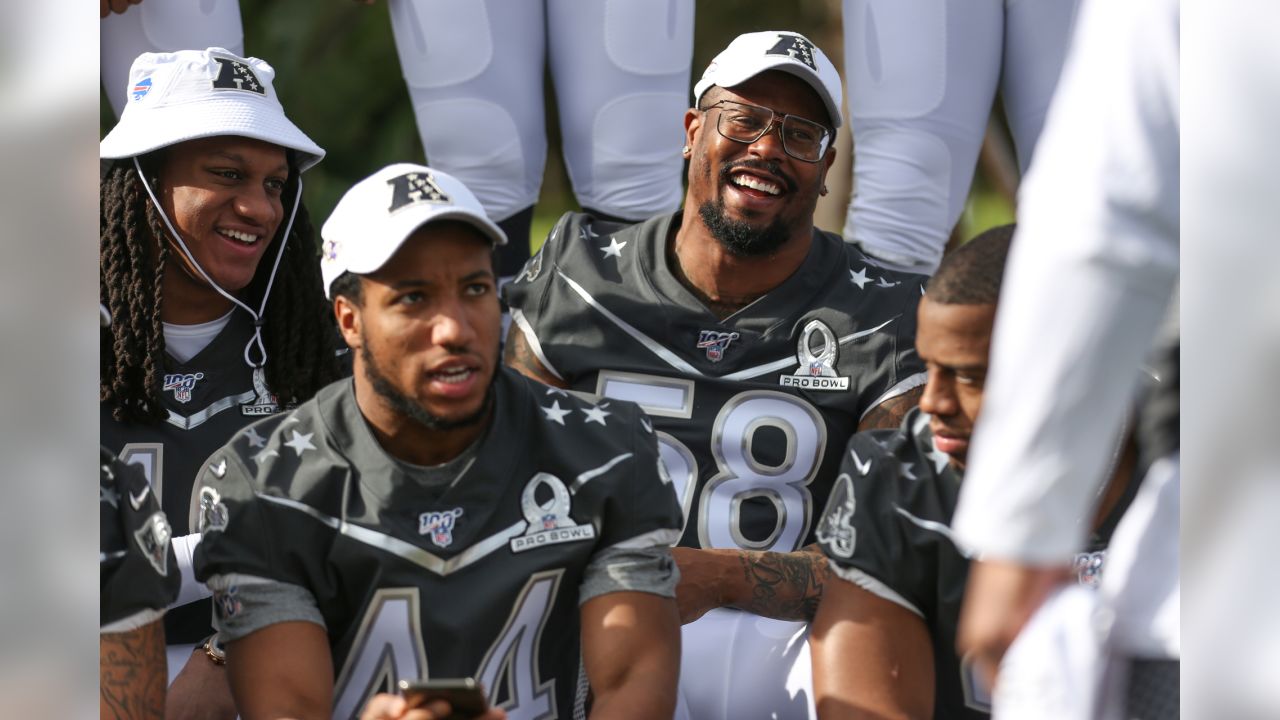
(801, 139)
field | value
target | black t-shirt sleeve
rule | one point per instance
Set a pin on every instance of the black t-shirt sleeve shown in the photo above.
(138, 572)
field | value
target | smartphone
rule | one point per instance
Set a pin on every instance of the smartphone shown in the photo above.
(465, 695)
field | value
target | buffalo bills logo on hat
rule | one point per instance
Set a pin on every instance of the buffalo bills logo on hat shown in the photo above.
(797, 47)
(413, 188)
(141, 88)
(236, 75)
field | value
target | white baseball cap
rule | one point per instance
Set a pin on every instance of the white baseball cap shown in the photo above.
(190, 94)
(376, 216)
(753, 53)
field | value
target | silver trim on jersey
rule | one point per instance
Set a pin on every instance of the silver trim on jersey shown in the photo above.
(790, 360)
(911, 382)
(872, 585)
(402, 549)
(532, 338)
(196, 419)
(589, 475)
(103, 557)
(132, 622)
(649, 343)
(934, 526)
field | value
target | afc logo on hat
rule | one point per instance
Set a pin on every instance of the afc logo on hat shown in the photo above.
(235, 75)
(413, 188)
(797, 47)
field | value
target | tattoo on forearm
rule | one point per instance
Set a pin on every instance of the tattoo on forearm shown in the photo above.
(888, 414)
(132, 673)
(785, 586)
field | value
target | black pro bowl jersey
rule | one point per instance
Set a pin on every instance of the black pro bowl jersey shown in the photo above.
(887, 530)
(138, 573)
(476, 579)
(208, 399)
(753, 410)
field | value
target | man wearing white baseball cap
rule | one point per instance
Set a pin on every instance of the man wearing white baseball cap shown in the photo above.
(208, 269)
(437, 509)
(757, 343)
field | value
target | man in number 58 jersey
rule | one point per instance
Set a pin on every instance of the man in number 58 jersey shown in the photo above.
(756, 344)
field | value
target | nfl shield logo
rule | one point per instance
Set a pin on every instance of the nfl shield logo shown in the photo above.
(715, 343)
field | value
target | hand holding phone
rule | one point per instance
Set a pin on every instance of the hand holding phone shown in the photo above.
(464, 695)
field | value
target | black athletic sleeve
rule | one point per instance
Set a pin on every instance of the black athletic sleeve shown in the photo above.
(862, 530)
(138, 572)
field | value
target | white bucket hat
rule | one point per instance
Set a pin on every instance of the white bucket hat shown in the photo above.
(376, 216)
(190, 94)
(753, 53)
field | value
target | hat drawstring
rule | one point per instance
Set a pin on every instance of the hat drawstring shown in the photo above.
(257, 316)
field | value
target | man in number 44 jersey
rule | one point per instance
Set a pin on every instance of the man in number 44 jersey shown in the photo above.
(757, 345)
(437, 516)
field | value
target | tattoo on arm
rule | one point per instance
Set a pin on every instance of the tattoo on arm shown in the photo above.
(132, 673)
(888, 414)
(518, 356)
(784, 586)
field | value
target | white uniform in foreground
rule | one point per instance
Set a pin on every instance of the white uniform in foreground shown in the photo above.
(1090, 275)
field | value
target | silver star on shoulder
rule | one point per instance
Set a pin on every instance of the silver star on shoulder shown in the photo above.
(860, 278)
(109, 496)
(264, 456)
(614, 249)
(906, 472)
(300, 442)
(886, 284)
(555, 413)
(219, 470)
(596, 414)
(255, 440)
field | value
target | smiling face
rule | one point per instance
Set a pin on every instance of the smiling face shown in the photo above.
(753, 197)
(223, 195)
(426, 331)
(954, 342)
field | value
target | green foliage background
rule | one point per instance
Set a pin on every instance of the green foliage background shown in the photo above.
(339, 78)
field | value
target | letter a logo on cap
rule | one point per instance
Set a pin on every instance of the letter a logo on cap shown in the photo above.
(413, 188)
(235, 75)
(797, 47)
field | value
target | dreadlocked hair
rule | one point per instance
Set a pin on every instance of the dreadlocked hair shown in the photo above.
(298, 329)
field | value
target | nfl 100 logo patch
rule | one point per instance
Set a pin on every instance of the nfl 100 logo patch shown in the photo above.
(715, 343)
(182, 384)
(439, 525)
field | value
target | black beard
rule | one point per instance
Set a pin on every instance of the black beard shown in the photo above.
(410, 408)
(740, 238)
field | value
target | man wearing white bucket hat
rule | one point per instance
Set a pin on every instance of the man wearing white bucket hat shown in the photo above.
(438, 515)
(757, 343)
(208, 269)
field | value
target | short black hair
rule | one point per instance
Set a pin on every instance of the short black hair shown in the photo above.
(971, 274)
(348, 285)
